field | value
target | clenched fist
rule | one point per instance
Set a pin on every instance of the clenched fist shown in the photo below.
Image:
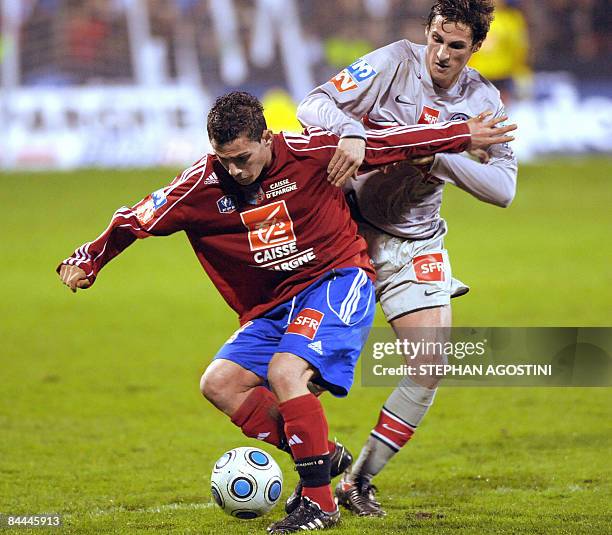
(74, 277)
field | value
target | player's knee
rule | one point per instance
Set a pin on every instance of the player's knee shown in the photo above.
(280, 378)
(287, 375)
(213, 387)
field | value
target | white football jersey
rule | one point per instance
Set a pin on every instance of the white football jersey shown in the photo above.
(392, 86)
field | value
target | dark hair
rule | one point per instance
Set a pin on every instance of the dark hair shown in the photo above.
(234, 115)
(475, 14)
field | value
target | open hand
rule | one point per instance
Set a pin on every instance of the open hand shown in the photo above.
(486, 132)
(346, 160)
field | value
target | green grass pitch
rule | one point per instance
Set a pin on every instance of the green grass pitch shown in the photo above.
(101, 418)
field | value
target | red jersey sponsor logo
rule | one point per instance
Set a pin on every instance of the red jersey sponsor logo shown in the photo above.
(429, 267)
(429, 116)
(343, 81)
(269, 226)
(306, 323)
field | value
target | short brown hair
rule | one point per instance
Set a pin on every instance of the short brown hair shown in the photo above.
(233, 115)
(475, 14)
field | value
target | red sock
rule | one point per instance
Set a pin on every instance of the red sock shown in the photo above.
(258, 416)
(306, 431)
(392, 430)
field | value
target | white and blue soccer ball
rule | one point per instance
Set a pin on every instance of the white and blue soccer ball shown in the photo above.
(246, 482)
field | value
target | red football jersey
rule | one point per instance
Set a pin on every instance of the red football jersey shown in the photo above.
(264, 243)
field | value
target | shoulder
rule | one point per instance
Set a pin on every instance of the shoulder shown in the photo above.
(478, 87)
(393, 54)
(194, 172)
(309, 142)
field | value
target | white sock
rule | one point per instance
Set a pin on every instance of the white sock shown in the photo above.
(398, 419)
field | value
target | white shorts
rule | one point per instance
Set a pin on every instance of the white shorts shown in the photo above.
(411, 274)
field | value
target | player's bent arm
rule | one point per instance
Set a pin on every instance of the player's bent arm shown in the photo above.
(404, 142)
(123, 230)
(318, 109)
(339, 108)
(339, 104)
(159, 214)
(493, 183)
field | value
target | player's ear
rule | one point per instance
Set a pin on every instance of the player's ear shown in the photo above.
(476, 47)
(267, 136)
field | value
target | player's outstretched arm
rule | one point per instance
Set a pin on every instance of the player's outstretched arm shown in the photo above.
(161, 213)
(74, 277)
(487, 131)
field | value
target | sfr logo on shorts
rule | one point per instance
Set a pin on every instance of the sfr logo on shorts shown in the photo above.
(268, 225)
(429, 267)
(306, 323)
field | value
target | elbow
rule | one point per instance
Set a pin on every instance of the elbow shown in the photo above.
(302, 112)
(506, 194)
(504, 200)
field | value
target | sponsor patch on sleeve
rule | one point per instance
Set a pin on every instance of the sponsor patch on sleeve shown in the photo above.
(306, 323)
(349, 78)
(343, 81)
(361, 70)
(159, 198)
(145, 210)
(429, 267)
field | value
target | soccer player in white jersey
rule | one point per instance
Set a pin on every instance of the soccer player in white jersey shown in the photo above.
(406, 83)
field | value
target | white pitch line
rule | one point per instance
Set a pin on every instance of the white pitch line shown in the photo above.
(155, 509)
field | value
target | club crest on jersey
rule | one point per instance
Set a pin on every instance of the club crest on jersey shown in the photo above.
(429, 115)
(269, 226)
(227, 204)
(348, 79)
(306, 323)
(429, 267)
(459, 117)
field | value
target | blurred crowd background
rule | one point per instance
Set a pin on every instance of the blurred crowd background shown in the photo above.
(90, 41)
(280, 49)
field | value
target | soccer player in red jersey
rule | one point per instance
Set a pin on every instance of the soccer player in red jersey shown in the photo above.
(277, 240)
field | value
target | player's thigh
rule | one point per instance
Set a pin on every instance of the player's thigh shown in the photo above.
(412, 275)
(329, 326)
(253, 344)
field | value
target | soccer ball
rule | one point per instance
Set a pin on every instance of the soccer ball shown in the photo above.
(246, 482)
